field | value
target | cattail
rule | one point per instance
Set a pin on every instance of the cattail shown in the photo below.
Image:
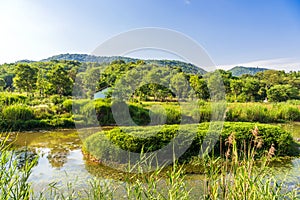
(255, 132)
(271, 151)
(259, 143)
(227, 154)
(230, 139)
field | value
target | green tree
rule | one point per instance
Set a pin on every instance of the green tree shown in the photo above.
(26, 77)
(236, 87)
(60, 82)
(200, 87)
(279, 93)
(91, 81)
(180, 85)
(41, 83)
(251, 89)
(271, 77)
(2, 84)
(216, 86)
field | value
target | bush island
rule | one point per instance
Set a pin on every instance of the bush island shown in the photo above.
(155, 137)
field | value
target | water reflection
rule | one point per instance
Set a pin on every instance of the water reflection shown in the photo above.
(61, 160)
(55, 145)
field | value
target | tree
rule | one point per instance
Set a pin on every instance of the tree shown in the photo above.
(41, 83)
(200, 87)
(271, 77)
(278, 93)
(251, 88)
(215, 86)
(2, 84)
(180, 85)
(60, 82)
(236, 86)
(91, 81)
(25, 79)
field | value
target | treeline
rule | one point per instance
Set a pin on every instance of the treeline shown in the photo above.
(146, 82)
(42, 79)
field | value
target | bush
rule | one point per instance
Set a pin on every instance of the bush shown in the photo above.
(10, 98)
(62, 123)
(148, 139)
(57, 99)
(67, 105)
(17, 112)
(42, 112)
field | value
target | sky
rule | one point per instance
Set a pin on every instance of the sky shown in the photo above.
(233, 32)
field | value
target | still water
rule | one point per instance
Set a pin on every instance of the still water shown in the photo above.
(61, 160)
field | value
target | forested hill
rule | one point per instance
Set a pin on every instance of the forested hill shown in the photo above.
(240, 70)
(186, 67)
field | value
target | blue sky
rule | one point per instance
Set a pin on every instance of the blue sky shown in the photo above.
(263, 33)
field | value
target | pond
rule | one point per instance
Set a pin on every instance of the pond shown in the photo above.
(61, 160)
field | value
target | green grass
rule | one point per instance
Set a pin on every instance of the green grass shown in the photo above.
(264, 113)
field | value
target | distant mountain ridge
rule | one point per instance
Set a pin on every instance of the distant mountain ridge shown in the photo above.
(186, 67)
(240, 70)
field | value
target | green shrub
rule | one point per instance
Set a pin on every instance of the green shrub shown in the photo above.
(103, 112)
(17, 112)
(173, 116)
(67, 105)
(155, 137)
(57, 99)
(62, 123)
(42, 112)
(11, 98)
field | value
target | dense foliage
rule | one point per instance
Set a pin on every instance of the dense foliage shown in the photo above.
(159, 80)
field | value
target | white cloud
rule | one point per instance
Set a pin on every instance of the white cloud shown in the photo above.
(287, 64)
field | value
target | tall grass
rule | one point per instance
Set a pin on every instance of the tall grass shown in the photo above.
(264, 113)
(240, 176)
(14, 178)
